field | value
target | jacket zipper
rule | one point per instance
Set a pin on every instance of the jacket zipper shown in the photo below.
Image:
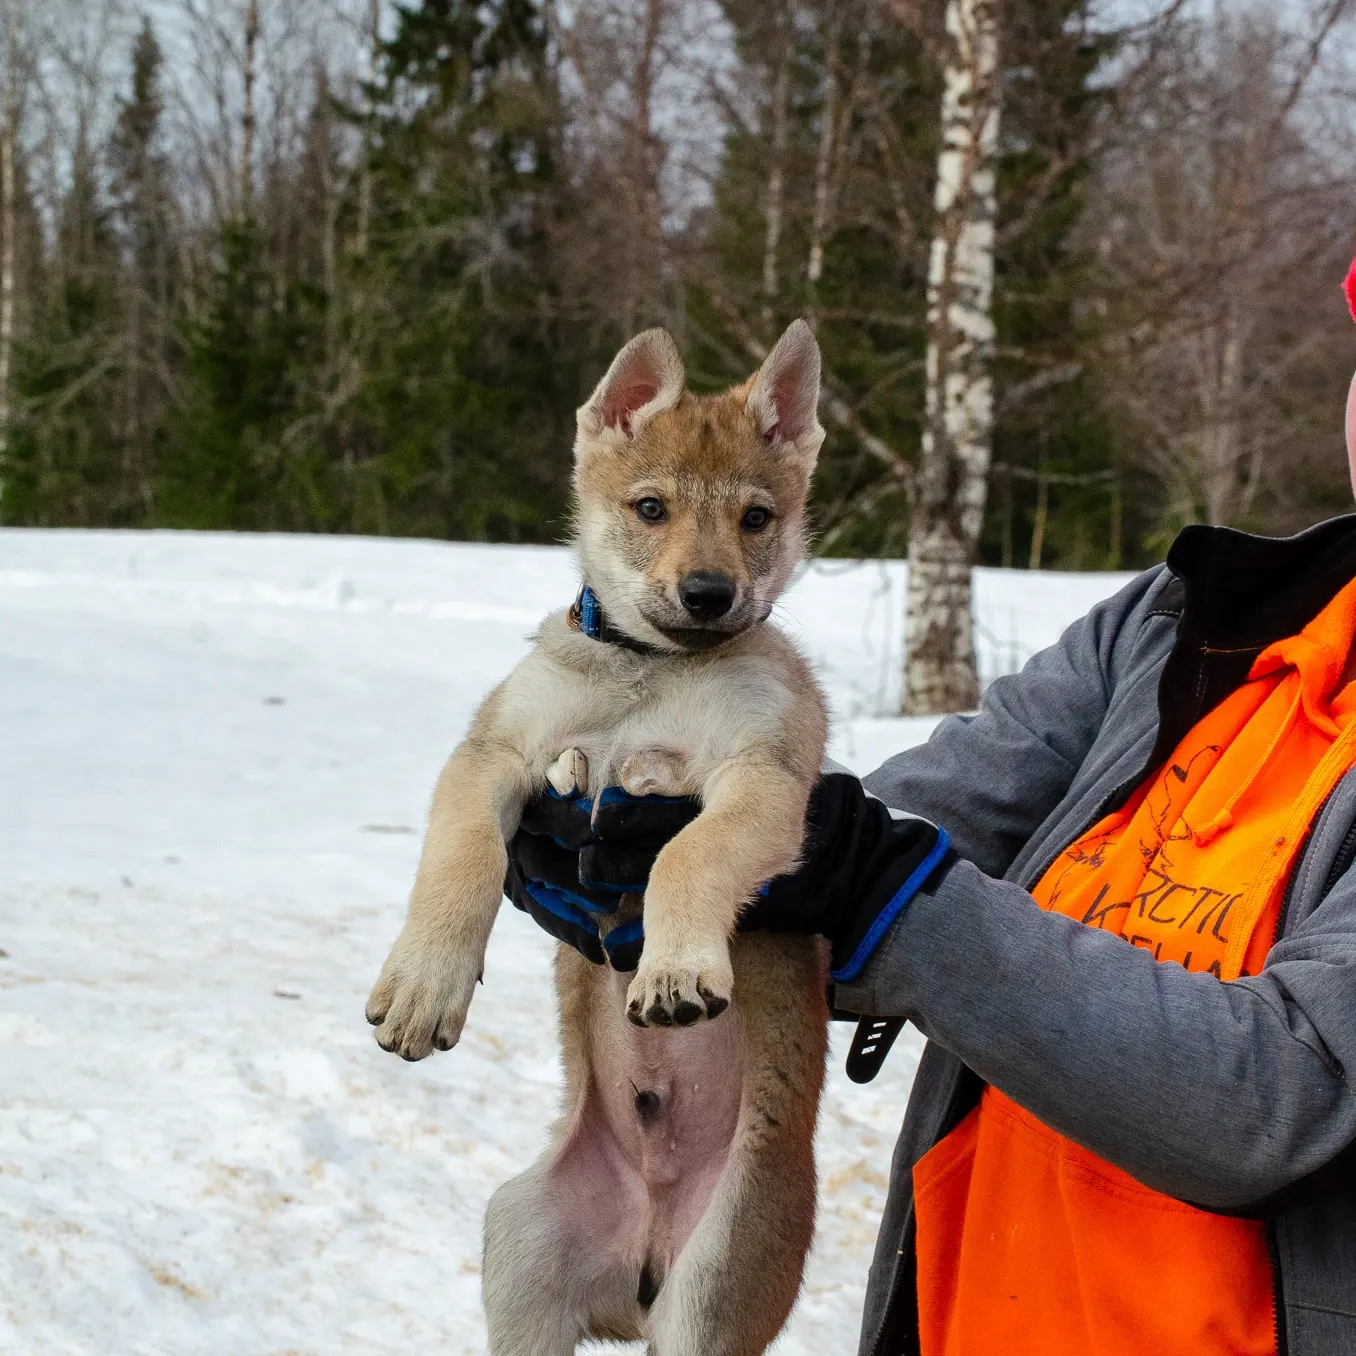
(1279, 1329)
(1341, 864)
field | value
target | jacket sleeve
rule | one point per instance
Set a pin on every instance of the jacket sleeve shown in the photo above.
(991, 779)
(1218, 1094)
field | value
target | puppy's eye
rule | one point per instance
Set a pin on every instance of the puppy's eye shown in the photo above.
(756, 519)
(651, 510)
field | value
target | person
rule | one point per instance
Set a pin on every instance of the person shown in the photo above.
(1133, 1127)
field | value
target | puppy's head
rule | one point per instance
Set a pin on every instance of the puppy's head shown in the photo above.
(691, 509)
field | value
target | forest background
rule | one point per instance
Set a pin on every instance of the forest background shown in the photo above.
(349, 266)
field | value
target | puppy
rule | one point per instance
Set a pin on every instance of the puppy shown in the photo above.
(675, 1202)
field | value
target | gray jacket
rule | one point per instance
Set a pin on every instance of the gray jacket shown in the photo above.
(1233, 1097)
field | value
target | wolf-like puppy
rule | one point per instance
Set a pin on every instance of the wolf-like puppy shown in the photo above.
(675, 1202)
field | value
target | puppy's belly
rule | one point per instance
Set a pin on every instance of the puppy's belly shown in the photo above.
(660, 1114)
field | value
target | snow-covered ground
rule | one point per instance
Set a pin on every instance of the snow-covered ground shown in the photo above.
(215, 754)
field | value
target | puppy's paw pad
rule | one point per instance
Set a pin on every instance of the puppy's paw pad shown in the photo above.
(714, 1003)
(569, 774)
(676, 997)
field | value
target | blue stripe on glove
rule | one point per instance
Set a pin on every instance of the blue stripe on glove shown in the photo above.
(624, 943)
(568, 908)
(857, 961)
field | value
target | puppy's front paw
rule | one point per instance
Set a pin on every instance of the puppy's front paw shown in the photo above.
(678, 995)
(419, 1003)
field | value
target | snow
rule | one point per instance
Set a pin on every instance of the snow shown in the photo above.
(215, 755)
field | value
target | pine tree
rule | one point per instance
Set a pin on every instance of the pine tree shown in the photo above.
(142, 212)
(817, 213)
(468, 402)
(1055, 484)
(222, 466)
(65, 455)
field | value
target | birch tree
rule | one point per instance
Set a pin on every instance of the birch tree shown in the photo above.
(949, 488)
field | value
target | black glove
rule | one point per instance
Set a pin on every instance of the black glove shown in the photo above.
(861, 864)
(569, 865)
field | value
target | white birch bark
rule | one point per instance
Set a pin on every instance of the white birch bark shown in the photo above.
(948, 507)
(776, 182)
(828, 124)
(247, 115)
(365, 168)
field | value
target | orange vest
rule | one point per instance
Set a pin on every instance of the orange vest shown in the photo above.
(1031, 1245)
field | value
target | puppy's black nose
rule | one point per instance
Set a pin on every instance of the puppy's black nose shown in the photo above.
(706, 594)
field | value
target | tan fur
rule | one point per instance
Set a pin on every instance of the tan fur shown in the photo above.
(730, 1289)
(730, 712)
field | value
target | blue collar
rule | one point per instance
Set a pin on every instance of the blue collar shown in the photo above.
(590, 613)
(588, 618)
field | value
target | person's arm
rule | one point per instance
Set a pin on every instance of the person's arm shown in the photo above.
(992, 778)
(1218, 1094)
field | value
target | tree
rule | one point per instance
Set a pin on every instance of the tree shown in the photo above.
(66, 458)
(458, 423)
(10, 105)
(313, 272)
(948, 501)
(1224, 221)
(815, 214)
(818, 211)
(142, 211)
(221, 467)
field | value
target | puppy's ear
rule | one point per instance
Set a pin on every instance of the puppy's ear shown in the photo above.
(784, 397)
(645, 378)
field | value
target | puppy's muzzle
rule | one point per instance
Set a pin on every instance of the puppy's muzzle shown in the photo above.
(706, 594)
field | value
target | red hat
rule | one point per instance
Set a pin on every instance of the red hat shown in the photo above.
(1349, 287)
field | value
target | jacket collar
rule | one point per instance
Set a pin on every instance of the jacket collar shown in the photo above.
(1235, 595)
(1249, 591)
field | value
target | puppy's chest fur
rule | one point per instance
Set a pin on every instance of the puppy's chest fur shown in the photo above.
(754, 699)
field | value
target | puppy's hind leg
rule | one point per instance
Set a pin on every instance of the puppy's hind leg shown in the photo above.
(735, 1282)
(529, 1307)
(562, 1247)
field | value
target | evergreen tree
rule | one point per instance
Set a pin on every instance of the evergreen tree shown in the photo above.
(472, 384)
(222, 467)
(384, 322)
(142, 198)
(839, 175)
(1053, 485)
(66, 458)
